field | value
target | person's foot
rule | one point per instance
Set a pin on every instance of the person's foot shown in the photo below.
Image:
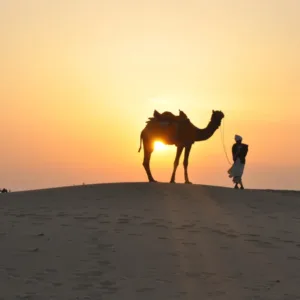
(236, 187)
(242, 188)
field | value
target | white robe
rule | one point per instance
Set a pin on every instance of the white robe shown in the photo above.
(236, 171)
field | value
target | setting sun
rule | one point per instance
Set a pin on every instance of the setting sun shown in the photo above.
(159, 146)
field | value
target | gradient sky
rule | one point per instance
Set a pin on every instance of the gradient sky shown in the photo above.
(78, 80)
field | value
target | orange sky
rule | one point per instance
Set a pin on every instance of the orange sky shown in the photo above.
(78, 80)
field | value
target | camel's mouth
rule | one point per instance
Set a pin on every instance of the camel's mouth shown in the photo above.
(218, 121)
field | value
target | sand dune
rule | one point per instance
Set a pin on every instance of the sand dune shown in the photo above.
(149, 241)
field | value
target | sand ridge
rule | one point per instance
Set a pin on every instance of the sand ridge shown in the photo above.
(149, 241)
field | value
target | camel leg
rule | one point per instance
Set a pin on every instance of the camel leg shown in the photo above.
(176, 162)
(186, 163)
(146, 163)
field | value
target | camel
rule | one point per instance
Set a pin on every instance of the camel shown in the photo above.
(178, 131)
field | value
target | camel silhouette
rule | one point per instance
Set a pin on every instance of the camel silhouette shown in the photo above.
(178, 131)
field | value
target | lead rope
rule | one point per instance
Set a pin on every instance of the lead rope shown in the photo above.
(223, 140)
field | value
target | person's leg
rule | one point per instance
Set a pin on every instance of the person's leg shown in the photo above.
(238, 182)
(236, 186)
(241, 181)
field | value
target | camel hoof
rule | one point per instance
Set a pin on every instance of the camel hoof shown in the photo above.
(154, 181)
(188, 182)
(172, 181)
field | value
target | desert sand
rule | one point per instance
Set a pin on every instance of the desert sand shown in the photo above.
(149, 241)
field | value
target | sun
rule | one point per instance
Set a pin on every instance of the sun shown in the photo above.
(159, 146)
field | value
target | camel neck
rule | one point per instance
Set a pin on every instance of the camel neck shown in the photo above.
(206, 133)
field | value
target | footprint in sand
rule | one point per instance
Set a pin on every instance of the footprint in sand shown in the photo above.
(231, 235)
(51, 270)
(158, 219)
(109, 286)
(163, 238)
(26, 296)
(288, 241)
(261, 244)
(219, 232)
(82, 286)
(145, 289)
(188, 225)
(189, 243)
(248, 217)
(293, 258)
(148, 223)
(194, 231)
(250, 234)
(256, 252)
(173, 254)
(198, 274)
(57, 284)
(224, 247)
(95, 273)
(163, 280)
(222, 224)
(162, 226)
(90, 228)
(135, 234)
(62, 214)
(104, 222)
(123, 221)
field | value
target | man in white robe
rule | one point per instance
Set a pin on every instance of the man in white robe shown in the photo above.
(239, 153)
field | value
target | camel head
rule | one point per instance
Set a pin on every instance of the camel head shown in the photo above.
(217, 117)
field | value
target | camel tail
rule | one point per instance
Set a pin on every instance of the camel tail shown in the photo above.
(141, 138)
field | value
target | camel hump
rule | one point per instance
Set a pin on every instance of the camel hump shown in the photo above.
(182, 115)
(168, 116)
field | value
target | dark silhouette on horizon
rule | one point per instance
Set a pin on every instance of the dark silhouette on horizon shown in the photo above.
(178, 131)
(239, 153)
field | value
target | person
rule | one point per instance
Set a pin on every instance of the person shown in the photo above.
(239, 153)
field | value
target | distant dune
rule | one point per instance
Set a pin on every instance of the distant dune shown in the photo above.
(150, 241)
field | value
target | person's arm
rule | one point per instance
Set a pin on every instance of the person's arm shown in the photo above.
(233, 150)
(244, 150)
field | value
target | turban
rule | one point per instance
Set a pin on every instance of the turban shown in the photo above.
(238, 138)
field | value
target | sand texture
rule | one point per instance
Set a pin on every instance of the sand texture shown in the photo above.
(149, 241)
